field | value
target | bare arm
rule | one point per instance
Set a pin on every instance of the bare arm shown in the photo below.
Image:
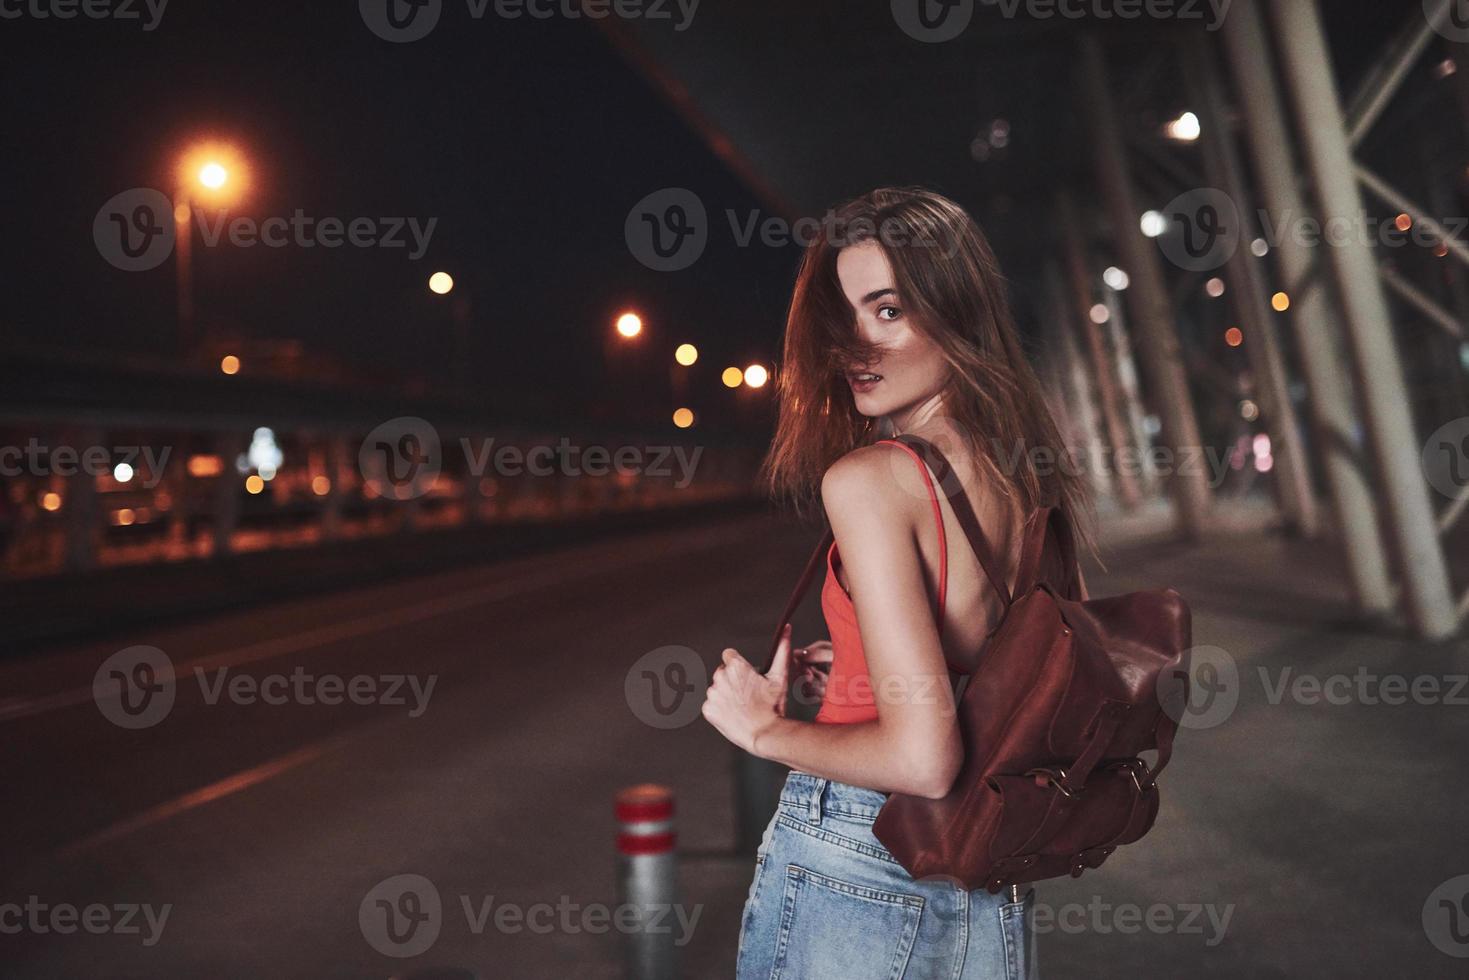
(914, 745)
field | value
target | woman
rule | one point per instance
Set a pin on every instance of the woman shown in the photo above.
(898, 324)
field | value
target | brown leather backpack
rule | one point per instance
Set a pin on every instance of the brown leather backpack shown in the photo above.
(1064, 698)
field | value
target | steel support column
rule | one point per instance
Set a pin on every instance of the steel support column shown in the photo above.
(1330, 397)
(1073, 238)
(1223, 170)
(1159, 342)
(1393, 443)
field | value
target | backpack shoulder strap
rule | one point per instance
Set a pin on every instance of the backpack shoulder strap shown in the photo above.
(1044, 522)
(808, 575)
(948, 480)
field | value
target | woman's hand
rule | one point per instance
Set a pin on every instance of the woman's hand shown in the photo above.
(807, 663)
(742, 703)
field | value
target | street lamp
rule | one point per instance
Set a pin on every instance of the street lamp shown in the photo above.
(211, 173)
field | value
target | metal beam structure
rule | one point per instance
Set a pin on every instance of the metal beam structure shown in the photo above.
(1247, 295)
(1333, 418)
(1148, 297)
(1109, 396)
(1392, 440)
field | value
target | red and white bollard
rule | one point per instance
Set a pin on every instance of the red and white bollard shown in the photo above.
(647, 879)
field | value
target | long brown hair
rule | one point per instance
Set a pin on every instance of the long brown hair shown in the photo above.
(948, 279)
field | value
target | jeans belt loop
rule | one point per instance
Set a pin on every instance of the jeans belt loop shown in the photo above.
(813, 805)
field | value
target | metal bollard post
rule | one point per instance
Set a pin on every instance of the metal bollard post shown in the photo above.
(647, 878)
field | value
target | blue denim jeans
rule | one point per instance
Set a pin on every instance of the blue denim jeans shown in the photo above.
(829, 902)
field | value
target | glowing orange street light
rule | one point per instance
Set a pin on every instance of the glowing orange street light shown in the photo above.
(441, 283)
(756, 376)
(229, 364)
(629, 325)
(732, 377)
(686, 354)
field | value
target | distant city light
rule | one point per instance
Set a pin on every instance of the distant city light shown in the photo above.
(122, 472)
(51, 500)
(1260, 248)
(124, 517)
(264, 455)
(629, 324)
(756, 376)
(321, 486)
(254, 484)
(441, 283)
(1116, 279)
(229, 364)
(1214, 287)
(1184, 129)
(732, 377)
(1404, 222)
(1153, 224)
(683, 418)
(1281, 302)
(1100, 314)
(205, 466)
(1248, 410)
(686, 354)
(1234, 336)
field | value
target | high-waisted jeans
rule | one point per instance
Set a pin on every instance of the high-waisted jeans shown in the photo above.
(829, 902)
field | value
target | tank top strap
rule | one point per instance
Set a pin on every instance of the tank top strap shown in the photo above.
(938, 516)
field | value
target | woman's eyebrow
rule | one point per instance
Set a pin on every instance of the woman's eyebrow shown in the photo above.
(878, 294)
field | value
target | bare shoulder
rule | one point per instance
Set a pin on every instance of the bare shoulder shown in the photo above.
(871, 481)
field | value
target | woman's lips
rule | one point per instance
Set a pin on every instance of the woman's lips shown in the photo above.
(862, 383)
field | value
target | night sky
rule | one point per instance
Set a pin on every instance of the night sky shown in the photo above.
(528, 140)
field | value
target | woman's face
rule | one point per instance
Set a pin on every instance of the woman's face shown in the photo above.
(911, 369)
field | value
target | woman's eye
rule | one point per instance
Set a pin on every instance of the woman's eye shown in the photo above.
(882, 313)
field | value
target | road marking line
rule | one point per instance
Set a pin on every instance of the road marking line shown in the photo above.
(208, 794)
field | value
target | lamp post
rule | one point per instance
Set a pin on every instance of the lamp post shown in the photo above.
(209, 173)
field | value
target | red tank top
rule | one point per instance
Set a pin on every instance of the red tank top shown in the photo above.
(849, 695)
